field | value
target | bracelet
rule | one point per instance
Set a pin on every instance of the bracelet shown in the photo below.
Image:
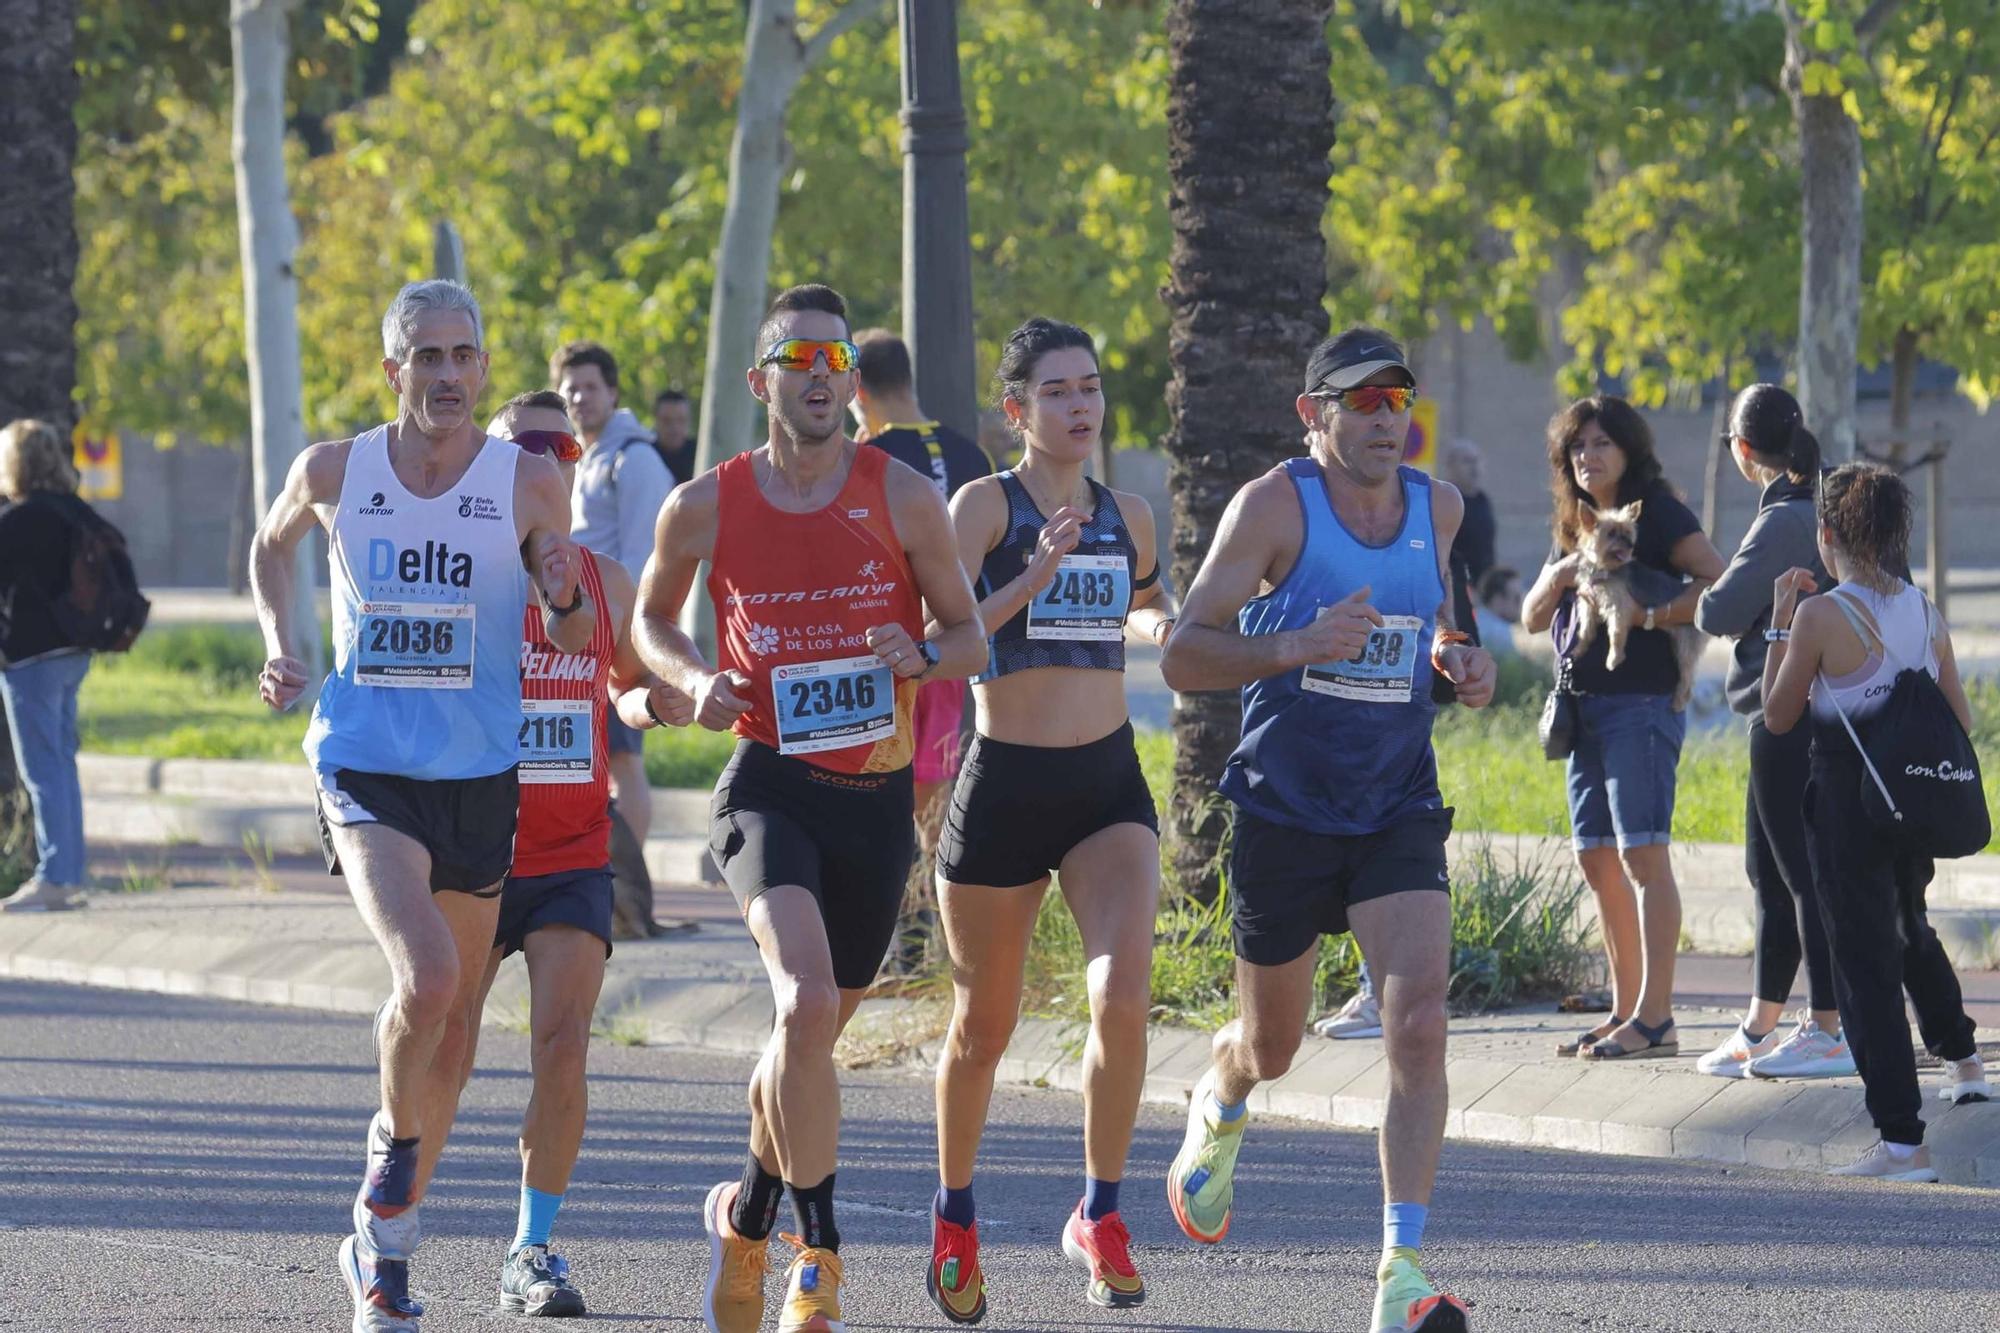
(1777, 635)
(1444, 639)
(575, 604)
(658, 721)
(1163, 629)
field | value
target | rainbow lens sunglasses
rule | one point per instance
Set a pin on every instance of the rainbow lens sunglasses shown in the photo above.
(1372, 397)
(561, 444)
(801, 353)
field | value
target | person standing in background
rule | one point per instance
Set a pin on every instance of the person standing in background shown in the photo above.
(673, 433)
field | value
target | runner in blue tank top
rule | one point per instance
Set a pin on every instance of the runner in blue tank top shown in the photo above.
(430, 525)
(1333, 569)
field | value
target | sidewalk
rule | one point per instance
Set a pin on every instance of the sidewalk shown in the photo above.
(278, 930)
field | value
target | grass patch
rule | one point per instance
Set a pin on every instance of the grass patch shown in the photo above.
(17, 840)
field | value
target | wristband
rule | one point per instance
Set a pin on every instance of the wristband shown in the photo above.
(658, 721)
(1162, 630)
(1444, 639)
(575, 604)
(1777, 635)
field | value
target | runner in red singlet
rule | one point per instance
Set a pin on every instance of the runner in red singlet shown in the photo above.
(555, 908)
(826, 559)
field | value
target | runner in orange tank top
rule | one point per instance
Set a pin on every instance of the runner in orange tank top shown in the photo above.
(827, 560)
(555, 907)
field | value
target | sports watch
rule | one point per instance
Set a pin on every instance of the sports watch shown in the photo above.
(928, 651)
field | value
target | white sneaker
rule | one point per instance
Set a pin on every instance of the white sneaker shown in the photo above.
(1733, 1057)
(1965, 1081)
(1359, 1017)
(1807, 1053)
(1885, 1162)
(38, 895)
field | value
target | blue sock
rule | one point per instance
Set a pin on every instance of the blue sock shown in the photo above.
(1100, 1198)
(538, 1217)
(1226, 1111)
(1403, 1225)
(955, 1206)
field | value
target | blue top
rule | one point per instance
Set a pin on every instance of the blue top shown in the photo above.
(1345, 747)
(428, 599)
(1079, 619)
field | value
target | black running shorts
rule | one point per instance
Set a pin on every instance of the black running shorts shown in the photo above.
(846, 838)
(528, 903)
(1288, 887)
(466, 824)
(1018, 810)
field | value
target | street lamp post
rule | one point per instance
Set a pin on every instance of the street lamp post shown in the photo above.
(937, 242)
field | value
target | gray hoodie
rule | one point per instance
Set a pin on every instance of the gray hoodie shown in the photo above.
(1737, 606)
(621, 482)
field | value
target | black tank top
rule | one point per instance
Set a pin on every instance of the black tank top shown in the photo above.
(1079, 619)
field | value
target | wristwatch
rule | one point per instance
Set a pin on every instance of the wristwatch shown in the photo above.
(575, 604)
(928, 651)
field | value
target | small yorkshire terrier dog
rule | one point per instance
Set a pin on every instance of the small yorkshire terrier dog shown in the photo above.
(1605, 595)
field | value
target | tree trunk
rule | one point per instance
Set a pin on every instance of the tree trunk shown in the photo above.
(1902, 384)
(1718, 456)
(38, 88)
(775, 58)
(1830, 229)
(268, 240)
(1249, 126)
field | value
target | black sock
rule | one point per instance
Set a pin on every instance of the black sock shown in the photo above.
(756, 1208)
(814, 1207)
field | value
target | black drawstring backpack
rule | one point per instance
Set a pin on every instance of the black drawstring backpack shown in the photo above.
(1923, 787)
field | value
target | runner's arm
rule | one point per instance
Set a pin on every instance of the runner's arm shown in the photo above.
(1791, 664)
(550, 556)
(1152, 615)
(630, 686)
(1205, 651)
(683, 537)
(314, 480)
(924, 527)
(979, 521)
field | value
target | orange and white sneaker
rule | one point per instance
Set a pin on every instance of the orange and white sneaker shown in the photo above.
(736, 1268)
(812, 1292)
(954, 1281)
(1406, 1302)
(1104, 1249)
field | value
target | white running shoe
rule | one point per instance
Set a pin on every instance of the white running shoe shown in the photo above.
(1359, 1017)
(1965, 1081)
(1884, 1162)
(1732, 1058)
(1807, 1053)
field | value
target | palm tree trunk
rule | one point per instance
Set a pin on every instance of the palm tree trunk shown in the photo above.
(1249, 125)
(38, 87)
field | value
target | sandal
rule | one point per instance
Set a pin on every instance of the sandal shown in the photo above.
(1657, 1044)
(1583, 1040)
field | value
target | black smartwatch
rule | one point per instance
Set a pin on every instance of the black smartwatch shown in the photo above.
(928, 651)
(575, 604)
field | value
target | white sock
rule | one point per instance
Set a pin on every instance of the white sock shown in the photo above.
(1902, 1152)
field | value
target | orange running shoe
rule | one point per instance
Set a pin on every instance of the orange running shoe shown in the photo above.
(1104, 1249)
(953, 1279)
(812, 1292)
(736, 1267)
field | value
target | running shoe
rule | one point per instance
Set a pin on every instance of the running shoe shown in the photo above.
(812, 1292)
(1201, 1184)
(381, 1291)
(388, 1224)
(1965, 1081)
(38, 895)
(736, 1267)
(1104, 1250)
(1882, 1162)
(954, 1281)
(1406, 1302)
(535, 1281)
(1361, 1016)
(1808, 1052)
(1732, 1058)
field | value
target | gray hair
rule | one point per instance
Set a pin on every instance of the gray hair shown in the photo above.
(399, 324)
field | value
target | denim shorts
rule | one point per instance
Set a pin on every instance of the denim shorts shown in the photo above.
(1621, 773)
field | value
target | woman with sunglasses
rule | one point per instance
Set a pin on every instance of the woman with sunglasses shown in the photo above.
(1065, 569)
(1628, 734)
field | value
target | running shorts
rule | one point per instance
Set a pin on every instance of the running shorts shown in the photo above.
(528, 903)
(1288, 887)
(466, 824)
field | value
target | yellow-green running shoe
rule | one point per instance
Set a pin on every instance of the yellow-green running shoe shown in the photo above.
(1202, 1184)
(1406, 1302)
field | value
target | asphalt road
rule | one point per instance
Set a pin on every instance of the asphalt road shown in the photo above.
(188, 1164)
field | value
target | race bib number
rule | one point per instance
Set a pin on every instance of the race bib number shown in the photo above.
(1087, 599)
(414, 645)
(832, 705)
(556, 740)
(1381, 673)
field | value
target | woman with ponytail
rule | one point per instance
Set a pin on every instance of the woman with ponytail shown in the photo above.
(1841, 655)
(1774, 451)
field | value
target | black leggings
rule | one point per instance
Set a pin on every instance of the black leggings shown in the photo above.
(1872, 897)
(1789, 927)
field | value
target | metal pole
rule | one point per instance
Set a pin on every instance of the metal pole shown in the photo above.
(1936, 498)
(447, 252)
(937, 240)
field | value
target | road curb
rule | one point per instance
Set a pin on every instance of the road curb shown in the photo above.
(1637, 1111)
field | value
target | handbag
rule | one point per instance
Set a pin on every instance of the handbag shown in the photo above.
(1557, 728)
(1926, 790)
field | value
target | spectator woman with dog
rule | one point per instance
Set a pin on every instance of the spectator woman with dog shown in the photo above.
(1871, 650)
(1768, 439)
(1627, 566)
